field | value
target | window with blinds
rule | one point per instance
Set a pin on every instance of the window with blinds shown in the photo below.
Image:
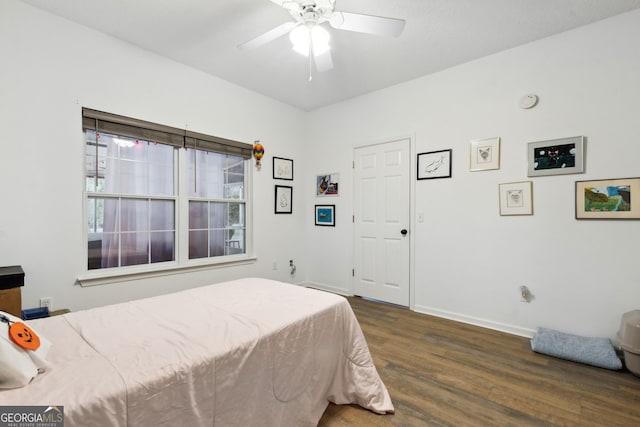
(133, 199)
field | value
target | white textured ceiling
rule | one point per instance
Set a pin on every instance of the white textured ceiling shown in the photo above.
(438, 34)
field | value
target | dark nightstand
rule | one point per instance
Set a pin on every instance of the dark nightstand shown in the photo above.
(11, 280)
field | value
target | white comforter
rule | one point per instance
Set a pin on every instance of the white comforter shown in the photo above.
(251, 352)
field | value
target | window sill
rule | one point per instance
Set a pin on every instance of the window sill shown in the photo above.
(103, 277)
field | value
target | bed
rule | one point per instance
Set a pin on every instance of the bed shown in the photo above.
(250, 352)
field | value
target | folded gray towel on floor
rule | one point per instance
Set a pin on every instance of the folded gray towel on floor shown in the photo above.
(592, 351)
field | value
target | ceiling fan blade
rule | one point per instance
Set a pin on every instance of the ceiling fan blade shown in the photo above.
(300, 4)
(367, 23)
(270, 35)
(294, 8)
(324, 61)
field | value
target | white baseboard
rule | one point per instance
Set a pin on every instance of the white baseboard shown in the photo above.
(484, 323)
(328, 288)
(303, 284)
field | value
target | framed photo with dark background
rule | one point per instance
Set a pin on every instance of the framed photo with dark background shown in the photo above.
(556, 156)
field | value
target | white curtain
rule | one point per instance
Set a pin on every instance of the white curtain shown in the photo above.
(141, 169)
(207, 180)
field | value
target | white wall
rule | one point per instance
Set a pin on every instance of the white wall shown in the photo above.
(469, 262)
(50, 69)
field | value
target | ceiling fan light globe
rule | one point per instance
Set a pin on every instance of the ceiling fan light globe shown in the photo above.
(302, 49)
(300, 38)
(302, 35)
(320, 39)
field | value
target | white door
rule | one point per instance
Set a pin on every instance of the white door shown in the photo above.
(381, 221)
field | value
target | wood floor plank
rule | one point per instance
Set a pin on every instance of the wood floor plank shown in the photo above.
(445, 373)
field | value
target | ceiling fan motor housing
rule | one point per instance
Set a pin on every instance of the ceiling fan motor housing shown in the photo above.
(317, 11)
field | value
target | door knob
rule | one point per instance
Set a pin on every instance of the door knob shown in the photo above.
(403, 231)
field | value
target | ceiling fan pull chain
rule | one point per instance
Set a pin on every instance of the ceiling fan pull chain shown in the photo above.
(310, 60)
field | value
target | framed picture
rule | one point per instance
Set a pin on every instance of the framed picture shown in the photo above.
(327, 185)
(434, 164)
(282, 168)
(556, 156)
(608, 199)
(326, 215)
(516, 198)
(283, 199)
(485, 154)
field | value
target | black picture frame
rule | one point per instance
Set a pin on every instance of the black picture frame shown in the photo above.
(434, 164)
(282, 168)
(283, 199)
(325, 215)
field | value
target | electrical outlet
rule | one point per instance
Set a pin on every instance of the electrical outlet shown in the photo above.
(46, 302)
(275, 266)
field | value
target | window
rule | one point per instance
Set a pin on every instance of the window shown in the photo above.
(133, 198)
(130, 201)
(216, 204)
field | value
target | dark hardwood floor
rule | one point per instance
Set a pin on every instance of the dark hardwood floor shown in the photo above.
(444, 373)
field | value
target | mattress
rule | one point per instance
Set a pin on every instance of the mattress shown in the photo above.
(250, 352)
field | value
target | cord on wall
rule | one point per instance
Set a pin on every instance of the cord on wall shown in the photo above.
(293, 268)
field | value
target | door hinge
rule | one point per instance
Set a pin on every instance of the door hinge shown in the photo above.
(353, 166)
(353, 272)
(353, 218)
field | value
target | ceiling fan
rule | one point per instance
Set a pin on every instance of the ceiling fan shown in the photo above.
(311, 39)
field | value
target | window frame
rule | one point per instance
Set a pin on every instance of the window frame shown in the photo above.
(181, 262)
(198, 162)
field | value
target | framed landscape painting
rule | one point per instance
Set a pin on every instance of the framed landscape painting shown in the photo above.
(608, 199)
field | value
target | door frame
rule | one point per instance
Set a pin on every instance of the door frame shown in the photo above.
(412, 216)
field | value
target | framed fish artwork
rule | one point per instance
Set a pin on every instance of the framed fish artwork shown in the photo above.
(434, 164)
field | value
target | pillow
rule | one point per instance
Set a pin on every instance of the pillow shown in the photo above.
(591, 351)
(17, 365)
